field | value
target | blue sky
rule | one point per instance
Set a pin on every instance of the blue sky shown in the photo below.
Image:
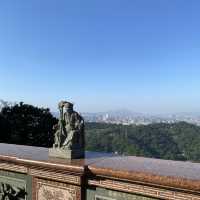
(143, 55)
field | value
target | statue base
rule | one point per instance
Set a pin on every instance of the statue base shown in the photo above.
(66, 154)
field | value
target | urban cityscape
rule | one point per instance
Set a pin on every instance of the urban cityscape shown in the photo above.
(127, 117)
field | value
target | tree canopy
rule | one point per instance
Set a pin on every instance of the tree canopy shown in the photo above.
(25, 124)
(177, 141)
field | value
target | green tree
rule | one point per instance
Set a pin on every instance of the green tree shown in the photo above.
(27, 125)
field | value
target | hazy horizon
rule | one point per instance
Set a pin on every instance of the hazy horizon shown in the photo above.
(78, 108)
(138, 55)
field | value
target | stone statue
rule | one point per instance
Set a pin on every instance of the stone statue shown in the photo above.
(69, 133)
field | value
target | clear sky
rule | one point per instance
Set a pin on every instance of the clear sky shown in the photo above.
(143, 55)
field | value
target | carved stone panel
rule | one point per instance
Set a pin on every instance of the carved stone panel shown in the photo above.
(12, 189)
(97, 197)
(49, 190)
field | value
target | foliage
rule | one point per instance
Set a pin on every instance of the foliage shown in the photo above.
(27, 125)
(178, 141)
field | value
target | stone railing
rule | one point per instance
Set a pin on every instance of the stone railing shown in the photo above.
(29, 173)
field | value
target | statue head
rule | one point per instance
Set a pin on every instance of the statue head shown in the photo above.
(68, 107)
(65, 104)
(61, 104)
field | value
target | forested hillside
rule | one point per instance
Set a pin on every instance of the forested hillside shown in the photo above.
(178, 141)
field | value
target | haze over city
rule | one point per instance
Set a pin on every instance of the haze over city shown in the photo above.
(103, 55)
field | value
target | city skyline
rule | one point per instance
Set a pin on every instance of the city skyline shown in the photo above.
(106, 55)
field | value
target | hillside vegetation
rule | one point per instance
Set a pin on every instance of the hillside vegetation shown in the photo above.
(178, 141)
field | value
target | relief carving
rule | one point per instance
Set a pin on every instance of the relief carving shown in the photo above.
(51, 195)
(48, 190)
(9, 192)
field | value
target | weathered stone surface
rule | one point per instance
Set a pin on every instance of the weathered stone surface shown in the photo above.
(133, 178)
(105, 194)
(12, 188)
(69, 133)
(68, 154)
(50, 190)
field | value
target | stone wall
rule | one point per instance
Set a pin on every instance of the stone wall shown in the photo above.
(106, 194)
(29, 173)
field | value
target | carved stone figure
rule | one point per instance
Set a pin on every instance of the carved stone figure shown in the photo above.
(69, 133)
(8, 192)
